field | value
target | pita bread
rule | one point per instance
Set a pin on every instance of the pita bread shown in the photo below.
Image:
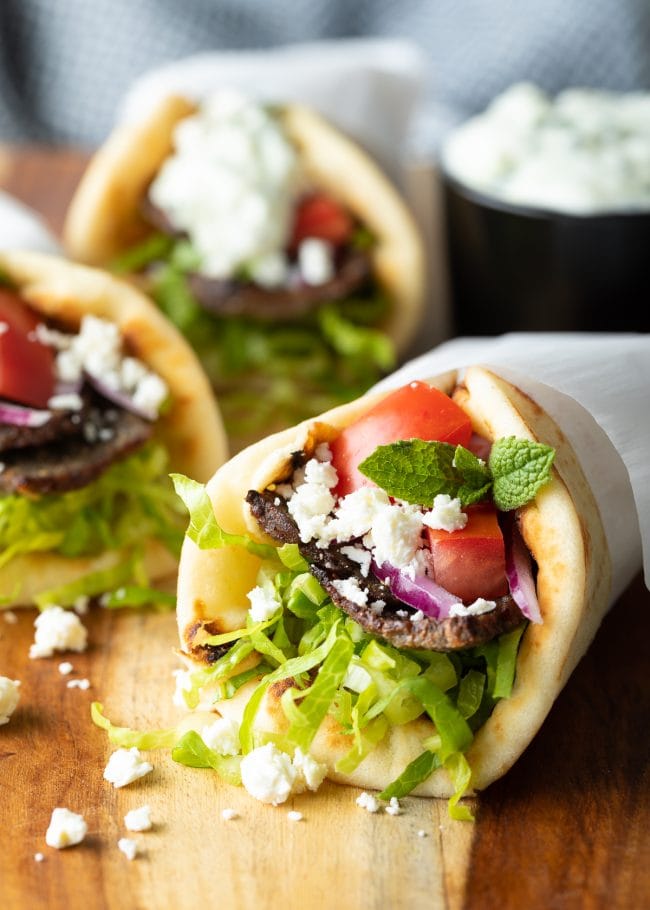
(562, 528)
(103, 218)
(191, 430)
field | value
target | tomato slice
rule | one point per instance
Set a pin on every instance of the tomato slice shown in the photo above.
(471, 563)
(26, 366)
(416, 411)
(321, 216)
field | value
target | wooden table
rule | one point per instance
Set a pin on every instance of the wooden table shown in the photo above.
(567, 827)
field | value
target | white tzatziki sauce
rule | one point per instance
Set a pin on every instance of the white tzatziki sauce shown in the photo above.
(231, 184)
(583, 152)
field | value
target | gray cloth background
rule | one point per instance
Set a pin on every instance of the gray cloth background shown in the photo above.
(65, 64)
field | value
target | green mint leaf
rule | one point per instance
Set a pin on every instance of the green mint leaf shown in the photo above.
(519, 468)
(417, 470)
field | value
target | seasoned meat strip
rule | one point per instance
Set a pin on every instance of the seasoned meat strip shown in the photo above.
(72, 463)
(60, 424)
(329, 565)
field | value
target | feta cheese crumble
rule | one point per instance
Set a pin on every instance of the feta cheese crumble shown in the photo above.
(231, 185)
(446, 514)
(264, 603)
(316, 261)
(222, 736)
(272, 777)
(10, 617)
(66, 828)
(126, 765)
(9, 698)
(128, 846)
(368, 802)
(78, 684)
(393, 807)
(65, 668)
(479, 606)
(39, 857)
(295, 816)
(138, 819)
(229, 815)
(57, 630)
(350, 589)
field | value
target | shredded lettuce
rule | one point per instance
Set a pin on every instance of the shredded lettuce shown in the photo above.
(94, 583)
(138, 596)
(127, 738)
(131, 501)
(414, 774)
(191, 751)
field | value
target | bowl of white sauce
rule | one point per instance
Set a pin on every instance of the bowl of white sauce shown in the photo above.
(547, 206)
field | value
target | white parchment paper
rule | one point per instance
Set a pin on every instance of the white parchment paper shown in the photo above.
(22, 229)
(369, 88)
(597, 388)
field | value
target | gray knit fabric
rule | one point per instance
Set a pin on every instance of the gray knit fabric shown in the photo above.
(65, 64)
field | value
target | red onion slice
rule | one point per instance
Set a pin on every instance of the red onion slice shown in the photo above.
(18, 416)
(519, 571)
(119, 398)
(422, 592)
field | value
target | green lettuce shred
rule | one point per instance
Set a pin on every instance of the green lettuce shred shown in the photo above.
(191, 751)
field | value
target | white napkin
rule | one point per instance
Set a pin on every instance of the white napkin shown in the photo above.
(367, 87)
(597, 388)
(22, 229)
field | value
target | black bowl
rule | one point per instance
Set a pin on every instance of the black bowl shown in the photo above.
(514, 268)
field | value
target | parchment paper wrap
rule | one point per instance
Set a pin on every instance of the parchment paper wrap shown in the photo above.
(597, 389)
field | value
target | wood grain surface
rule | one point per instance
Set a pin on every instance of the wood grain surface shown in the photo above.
(567, 827)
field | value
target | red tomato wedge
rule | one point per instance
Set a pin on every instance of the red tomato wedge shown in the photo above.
(416, 411)
(471, 563)
(321, 216)
(26, 366)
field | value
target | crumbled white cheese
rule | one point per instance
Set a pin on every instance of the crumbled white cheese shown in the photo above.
(396, 535)
(309, 506)
(446, 514)
(316, 261)
(272, 777)
(65, 668)
(57, 630)
(377, 607)
(350, 589)
(138, 819)
(295, 816)
(128, 846)
(368, 802)
(357, 512)
(393, 807)
(9, 698)
(10, 617)
(66, 828)
(68, 401)
(39, 857)
(422, 833)
(230, 183)
(418, 616)
(310, 773)
(270, 270)
(149, 394)
(126, 765)
(264, 603)
(362, 557)
(229, 815)
(78, 684)
(268, 774)
(222, 736)
(403, 614)
(474, 609)
(321, 472)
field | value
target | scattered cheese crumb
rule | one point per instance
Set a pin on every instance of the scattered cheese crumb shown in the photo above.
(360, 556)
(39, 857)
(57, 630)
(9, 698)
(422, 833)
(78, 684)
(264, 603)
(10, 617)
(351, 590)
(268, 774)
(446, 514)
(316, 261)
(310, 773)
(69, 401)
(222, 736)
(126, 765)
(128, 846)
(229, 814)
(295, 816)
(394, 808)
(66, 828)
(418, 616)
(138, 819)
(475, 609)
(65, 668)
(368, 802)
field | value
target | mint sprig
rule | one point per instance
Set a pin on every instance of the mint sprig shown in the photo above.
(417, 470)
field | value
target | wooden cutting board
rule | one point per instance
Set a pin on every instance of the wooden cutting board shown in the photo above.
(567, 827)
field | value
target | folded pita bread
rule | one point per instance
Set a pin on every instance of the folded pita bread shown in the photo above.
(103, 219)
(191, 430)
(561, 527)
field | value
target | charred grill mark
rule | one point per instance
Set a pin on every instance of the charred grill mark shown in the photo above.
(330, 565)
